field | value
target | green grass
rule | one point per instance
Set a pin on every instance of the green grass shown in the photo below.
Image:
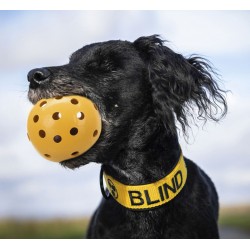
(236, 217)
(45, 229)
(236, 221)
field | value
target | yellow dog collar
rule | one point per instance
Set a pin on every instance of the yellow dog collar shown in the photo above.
(149, 195)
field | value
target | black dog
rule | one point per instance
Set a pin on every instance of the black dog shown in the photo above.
(142, 90)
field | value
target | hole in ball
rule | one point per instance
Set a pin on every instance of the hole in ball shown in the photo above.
(42, 133)
(73, 131)
(35, 118)
(75, 153)
(46, 155)
(43, 103)
(80, 115)
(57, 138)
(56, 116)
(58, 97)
(74, 101)
(95, 133)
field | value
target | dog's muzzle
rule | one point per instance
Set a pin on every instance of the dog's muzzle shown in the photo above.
(62, 128)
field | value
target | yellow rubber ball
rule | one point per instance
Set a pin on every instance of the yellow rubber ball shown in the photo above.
(65, 127)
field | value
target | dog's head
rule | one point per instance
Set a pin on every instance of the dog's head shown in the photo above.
(132, 84)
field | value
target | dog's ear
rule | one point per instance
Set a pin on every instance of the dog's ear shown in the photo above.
(180, 86)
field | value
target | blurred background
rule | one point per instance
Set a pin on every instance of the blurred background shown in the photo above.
(38, 198)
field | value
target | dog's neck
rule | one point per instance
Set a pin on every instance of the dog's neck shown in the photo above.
(146, 159)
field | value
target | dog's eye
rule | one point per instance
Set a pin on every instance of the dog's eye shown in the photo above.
(100, 65)
(91, 65)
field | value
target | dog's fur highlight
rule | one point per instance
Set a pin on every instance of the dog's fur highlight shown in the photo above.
(143, 89)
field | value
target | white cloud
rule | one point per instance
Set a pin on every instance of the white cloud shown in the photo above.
(207, 32)
(50, 37)
(44, 38)
(51, 193)
(238, 176)
(222, 150)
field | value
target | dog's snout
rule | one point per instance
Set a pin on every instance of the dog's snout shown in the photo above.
(37, 77)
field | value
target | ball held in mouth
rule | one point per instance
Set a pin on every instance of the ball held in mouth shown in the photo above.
(63, 128)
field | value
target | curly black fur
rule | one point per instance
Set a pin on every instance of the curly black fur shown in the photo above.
(179, 84)
(143, 89)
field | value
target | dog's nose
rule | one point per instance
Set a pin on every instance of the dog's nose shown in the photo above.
(37, 77)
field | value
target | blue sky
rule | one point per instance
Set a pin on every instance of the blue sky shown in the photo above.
(30, 186)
